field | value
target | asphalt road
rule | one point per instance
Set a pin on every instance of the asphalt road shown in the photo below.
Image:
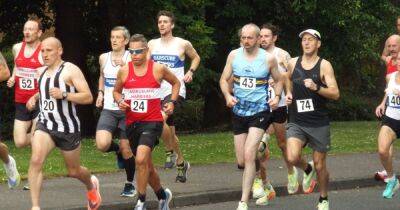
(354, 199)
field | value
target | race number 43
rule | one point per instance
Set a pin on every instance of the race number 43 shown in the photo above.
(139, 106)
(305, 105)
(27, 83)
(247, 83)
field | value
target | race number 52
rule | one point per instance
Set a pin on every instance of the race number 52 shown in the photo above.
(305, 105)
(27, 83)
(247, 83)
(139, 106)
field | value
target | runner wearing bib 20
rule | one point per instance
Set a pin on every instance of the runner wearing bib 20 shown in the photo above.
(250, 67)
(171, 51)
(112, 119)
(390, 130)
(312, 83)
(140, 81)
(10, 166)
(27, 61)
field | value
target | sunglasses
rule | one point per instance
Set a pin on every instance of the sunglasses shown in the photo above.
(136, 51)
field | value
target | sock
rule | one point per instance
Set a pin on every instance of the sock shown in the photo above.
(240, 167)
(322, 199)
(142, 197)
(113, 147)
(130, 168)
(308, 169)
(161, 194)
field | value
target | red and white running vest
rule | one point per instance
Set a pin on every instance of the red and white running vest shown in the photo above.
(26, 84)
(142, 93)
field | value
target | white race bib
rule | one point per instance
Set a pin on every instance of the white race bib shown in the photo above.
(27, 83)
(305, 105)
(48, 105)
(139, 106)
(394, 101)
(247, 83)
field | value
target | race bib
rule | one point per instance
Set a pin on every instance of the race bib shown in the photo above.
(305, 105)
(394, 101)
(139, 106)
(48, 105)
(247, 83)
(27, 83)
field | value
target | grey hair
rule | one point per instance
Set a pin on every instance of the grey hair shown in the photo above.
(252, 26)
(138, 38)
(124, 30)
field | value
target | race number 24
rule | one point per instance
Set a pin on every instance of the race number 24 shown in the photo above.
(139, 106)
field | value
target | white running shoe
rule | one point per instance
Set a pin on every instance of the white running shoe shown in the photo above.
(14, 178)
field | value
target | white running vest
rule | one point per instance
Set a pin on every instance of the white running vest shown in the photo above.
(110, 77)
(169, 55)
(279, 53)
(57, 114)
(393, 101)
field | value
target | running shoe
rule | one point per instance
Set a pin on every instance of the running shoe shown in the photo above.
(309, 181)
(14, 179)
(182, 172)
(391, 187)
(293, 183)
(140, 205)
(164, 204)
(129, 190)
(258, 188)
(270, 194)
(93, 196)
(380, 175)
(324, 205)
(242, 206)
(170, 161)
(120, 160)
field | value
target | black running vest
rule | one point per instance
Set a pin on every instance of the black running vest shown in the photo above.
(308, 108)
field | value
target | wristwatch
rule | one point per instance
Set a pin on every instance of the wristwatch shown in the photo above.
(64, 95)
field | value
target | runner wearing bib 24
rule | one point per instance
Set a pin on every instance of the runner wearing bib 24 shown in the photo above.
(312, 83)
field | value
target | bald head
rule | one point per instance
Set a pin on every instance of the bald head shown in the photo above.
(51, 51)
(52, 41)
(393, 45)
(252, 28)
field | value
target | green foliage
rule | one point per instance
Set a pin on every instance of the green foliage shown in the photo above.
(352, 107)
(190, 116)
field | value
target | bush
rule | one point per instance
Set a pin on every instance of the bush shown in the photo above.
(189, 117)
(352, 107)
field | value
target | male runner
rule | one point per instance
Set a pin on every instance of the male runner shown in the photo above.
(171, 51)
(141, 81)
(268, 37)
(61, 86)
(111, 118)
(27, 60)
(386, 51)
(10, 165)
(312, 83)
(393, 47)
(390, 129)
(250, 66)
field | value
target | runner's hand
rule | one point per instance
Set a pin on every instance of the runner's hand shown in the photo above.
(123, 106)
(380, 110)
(289, 98)
(188, 77)
(55, 93)
(31, 104)
(99, 100)
(273, 103)
(271, 82)
(309, 83)
(11, 82)
(168, 108)
(231, 101)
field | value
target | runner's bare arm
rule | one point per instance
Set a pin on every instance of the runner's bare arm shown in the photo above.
(225, 79)
(4, 70)
(117, 93)
(100, 96)
(15, 51)
(278, 84)
(150, 46)
(332, 90)
(195, 61)
(77, 79)
(380, 109)
(288, 83)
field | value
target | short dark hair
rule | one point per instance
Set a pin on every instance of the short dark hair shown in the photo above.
(37, 20)
(138, 38)
(166, 13)
(273, 28)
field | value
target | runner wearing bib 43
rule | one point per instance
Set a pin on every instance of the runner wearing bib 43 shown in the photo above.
(390, 130)
(27, 61)
(312, 83)
(140, 79)
(250, 67)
